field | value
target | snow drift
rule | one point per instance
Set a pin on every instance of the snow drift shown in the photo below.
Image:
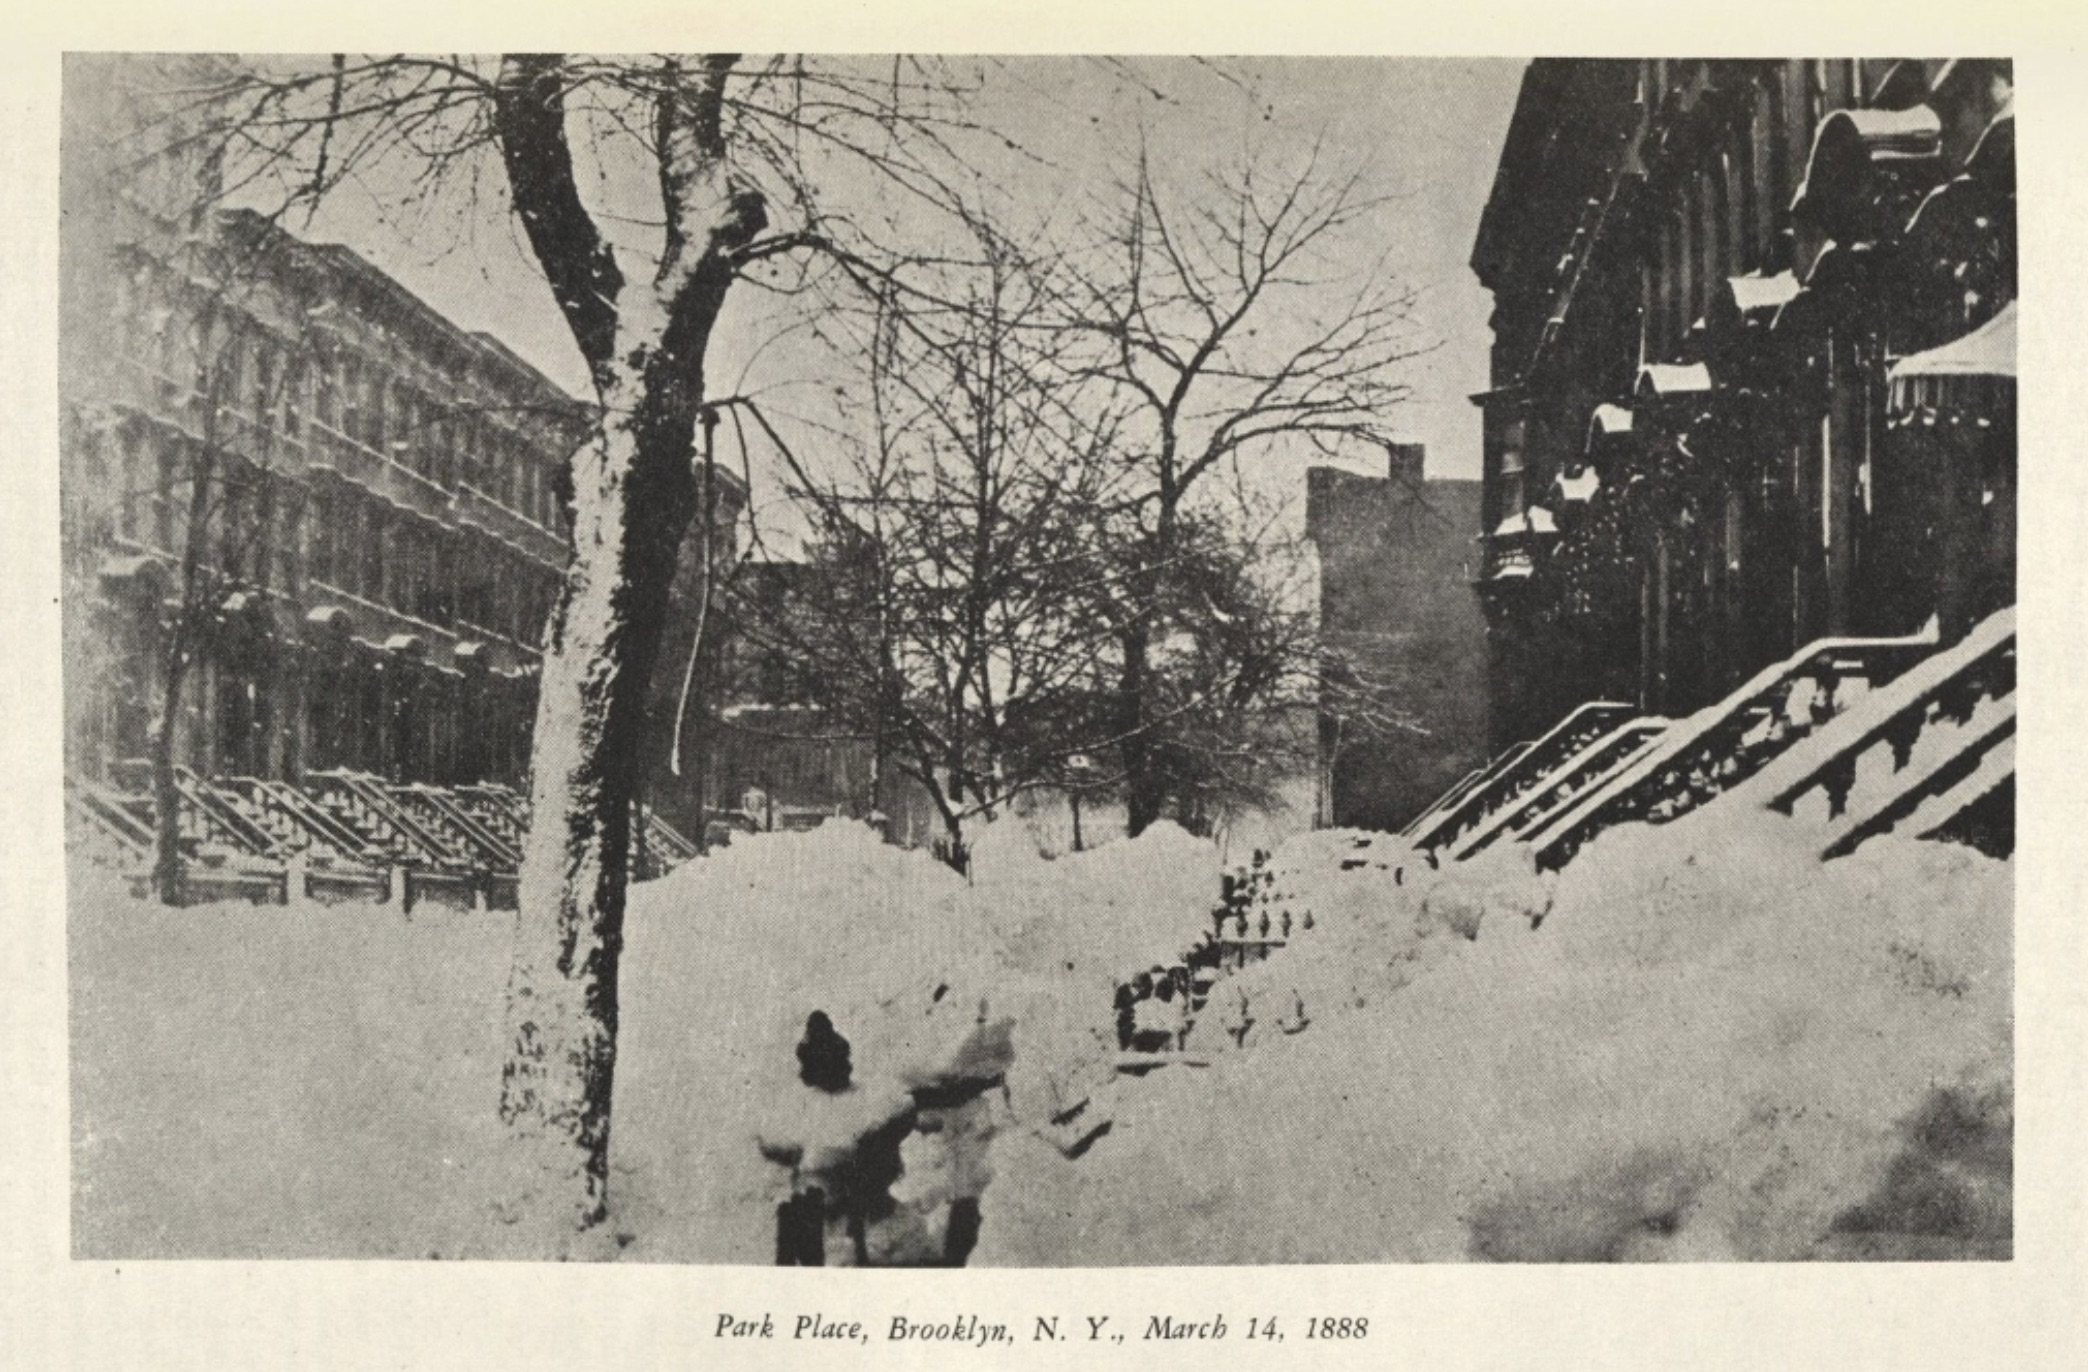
(1710, 1046)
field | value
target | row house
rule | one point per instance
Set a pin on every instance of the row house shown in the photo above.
(1752, 379)
(339, 507)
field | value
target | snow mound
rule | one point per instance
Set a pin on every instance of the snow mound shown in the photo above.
(932, 979)
(724, 959)
(1711, 1047)
(1108, 912)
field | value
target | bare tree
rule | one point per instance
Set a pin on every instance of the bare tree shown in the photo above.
(233, 349)
(728, 146)
(955, 541)
(1224, 323)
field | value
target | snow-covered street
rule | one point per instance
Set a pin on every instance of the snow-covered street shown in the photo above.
(1710, 1046)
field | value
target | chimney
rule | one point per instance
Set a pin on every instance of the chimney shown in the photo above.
(1404, 462)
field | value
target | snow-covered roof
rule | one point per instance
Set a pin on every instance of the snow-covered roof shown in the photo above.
(1669, 378)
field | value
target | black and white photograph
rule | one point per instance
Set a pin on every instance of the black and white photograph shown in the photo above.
(936, 661)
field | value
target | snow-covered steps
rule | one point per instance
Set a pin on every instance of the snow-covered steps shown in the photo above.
(340, 836)
(1532, 813)
(1462, 788)
(1911, 755)
(1716, 749)
(1520, 772)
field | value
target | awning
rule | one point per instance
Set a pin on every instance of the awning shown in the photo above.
(1662, 379)
(406, 645)
(470, 653)
(1989, 350)
(1926, 378)
(1756, 296)
(1608, 421)
(1849, 141)
(331, 618)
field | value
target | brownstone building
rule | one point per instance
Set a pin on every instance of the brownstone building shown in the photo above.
(1753, 370)
(365, 493)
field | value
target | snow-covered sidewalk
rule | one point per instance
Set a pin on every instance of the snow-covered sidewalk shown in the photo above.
(1710, 1046)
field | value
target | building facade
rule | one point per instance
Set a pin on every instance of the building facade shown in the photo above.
(1396, 607)
(1719, 425)
(337, 510)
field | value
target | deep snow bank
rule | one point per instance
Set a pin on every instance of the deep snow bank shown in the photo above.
(1711, 1047)
(321, 1080)
(931, 978)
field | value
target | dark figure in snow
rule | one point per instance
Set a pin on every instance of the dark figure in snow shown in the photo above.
(801, 1230)
(822, 1054)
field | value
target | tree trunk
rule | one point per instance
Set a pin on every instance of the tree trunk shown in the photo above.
(633, 494)
(1142, 789)
(631, 507)
(169, 884)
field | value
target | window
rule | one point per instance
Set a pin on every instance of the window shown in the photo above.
(351, 398)
(1710, 240)
(289, 542)
(294, 396)
(318, 562)
(371, 579)
(443, 582)
(166, 514)
(510, 475)
(1514, 438)
(375, 421)
(324, 392)
(442, 439)
(264, 379)
(128, 495)
(1733, 198)
(1761, 179)
(409, 437)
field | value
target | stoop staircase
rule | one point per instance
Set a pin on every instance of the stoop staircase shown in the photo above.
(1851, 738)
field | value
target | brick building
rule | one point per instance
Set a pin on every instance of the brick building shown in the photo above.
(1752, 374)
(1396, 603)
(366, 492)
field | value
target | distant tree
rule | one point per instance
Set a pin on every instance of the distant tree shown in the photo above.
(953, 542)
(1217, 320)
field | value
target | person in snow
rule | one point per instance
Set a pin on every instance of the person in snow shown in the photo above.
(842, 1146)
(823, 1056)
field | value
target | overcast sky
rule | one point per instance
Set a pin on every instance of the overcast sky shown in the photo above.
(1424, 133)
